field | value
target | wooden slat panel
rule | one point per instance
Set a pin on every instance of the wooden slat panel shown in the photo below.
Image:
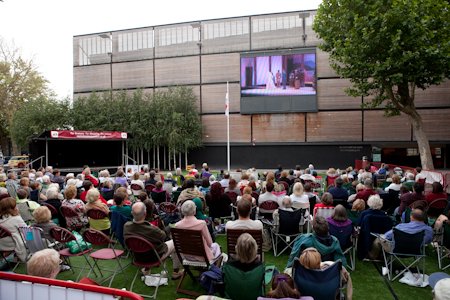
(222, 35)
(215, 128)
(91, 78)
(220, 67)
(133, 74)
(334, 126)
(436, 123)
(311, 37)
(279, 128)
(213, 100)
(177, 71)
(195, 89)
(434, 96)
(323, 64)
(331, 95)
(377, 127)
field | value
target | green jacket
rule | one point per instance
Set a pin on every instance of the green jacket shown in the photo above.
(309, 240)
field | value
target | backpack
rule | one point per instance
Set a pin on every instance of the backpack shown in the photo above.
(211, 278)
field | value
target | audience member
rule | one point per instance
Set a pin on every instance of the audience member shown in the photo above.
(189, 221)
(337, 191)
(77, 205)
(154, 235)
(395, 185)
(94, 202)
(246, 258)
(416, 225)
(43, 219)
(327, 245)
(218, 202)
(244, 222)
(298, 196)
(268, 195)
(119, 201)
(436, 193)
(408, 198)
(325, 202)
(283, 287)
(44, 263)
(189, 193)
(11, 220)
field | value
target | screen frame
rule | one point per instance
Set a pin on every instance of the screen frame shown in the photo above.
(281, 103)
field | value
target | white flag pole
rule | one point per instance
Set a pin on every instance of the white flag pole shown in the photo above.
(227, 114)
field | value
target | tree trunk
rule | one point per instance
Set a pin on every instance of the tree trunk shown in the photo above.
(157, 157)
(422, 140)
(174, 160)
(164, 157)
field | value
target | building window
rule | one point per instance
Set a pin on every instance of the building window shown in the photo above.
(277, 22)
(133, 41)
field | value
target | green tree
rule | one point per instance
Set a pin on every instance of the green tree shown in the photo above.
(388, 48)
(20, 83)
(38, 116)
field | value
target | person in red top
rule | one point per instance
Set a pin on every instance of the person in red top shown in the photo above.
(87, 185)
(437, 193)
(326, 201)
(409, 198)
(367, 191)
(88, 176)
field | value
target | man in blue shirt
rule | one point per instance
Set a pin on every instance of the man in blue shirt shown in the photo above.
(416, 225)
(338, 191)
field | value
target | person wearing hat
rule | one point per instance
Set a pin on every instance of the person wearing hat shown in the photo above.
(440, 283)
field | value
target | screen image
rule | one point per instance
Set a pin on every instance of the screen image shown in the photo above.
(278, 75)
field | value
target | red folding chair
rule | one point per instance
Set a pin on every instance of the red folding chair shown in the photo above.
(149, 188)
(98, 238)
(68, 212)
(267, 208)
(137, 244)
(97, 214)
(53, 211)
(64, 236)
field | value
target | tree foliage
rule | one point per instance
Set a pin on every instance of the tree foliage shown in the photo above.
(388, 48)
(165, 118)
(20, 83)
(37, 116)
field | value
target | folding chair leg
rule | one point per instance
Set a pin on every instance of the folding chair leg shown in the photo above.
(188, 271)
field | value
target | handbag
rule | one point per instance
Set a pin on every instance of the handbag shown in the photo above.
(79, 245)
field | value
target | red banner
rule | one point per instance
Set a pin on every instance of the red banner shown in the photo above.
(88, 135)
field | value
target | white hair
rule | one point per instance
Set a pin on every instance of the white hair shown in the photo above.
(169, 175)
(70, 175)
(46, 179)
(52, 193)
(178, 171)
(72, 181)
(54, 186)
(188, 208)
(138, 210)
(212, 178)
(375, 202)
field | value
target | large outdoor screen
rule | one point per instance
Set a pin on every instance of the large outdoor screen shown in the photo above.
(278, 81)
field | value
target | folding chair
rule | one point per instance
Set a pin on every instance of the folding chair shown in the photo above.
(25, 212)
(68, 213)
(169, 213)
(324, 284)
(284, 233)
(233, 197)
(323, 212)
(137, 244)
(53, 211)
(443, 248)
(98, 238)
(118, 220)
(406, 245)
(189, 244)
(32, 239)
(267, 208)
(234, 234)
(240, 285)
(6, 234)
(149, 188)
(64, 236)
(371, 224)
(136, 189)
(436, 208)
(348, 241)
(96, 214)
(285, 185)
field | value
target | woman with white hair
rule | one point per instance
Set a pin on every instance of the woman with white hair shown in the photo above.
(94, 202)
(375, 204)
(189, 221)
(53, 198)
(298, 196)
(178, 177)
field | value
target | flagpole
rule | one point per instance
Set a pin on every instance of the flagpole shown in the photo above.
(227, 113)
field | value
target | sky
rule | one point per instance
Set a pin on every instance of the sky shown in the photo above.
(43, 29)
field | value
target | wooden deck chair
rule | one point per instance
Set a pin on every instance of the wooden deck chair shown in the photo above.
(234, 234)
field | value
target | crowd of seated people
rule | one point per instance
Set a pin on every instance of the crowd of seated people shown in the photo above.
(203, 200)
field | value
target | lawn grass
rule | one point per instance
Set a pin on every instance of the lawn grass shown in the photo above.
(367, 282)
